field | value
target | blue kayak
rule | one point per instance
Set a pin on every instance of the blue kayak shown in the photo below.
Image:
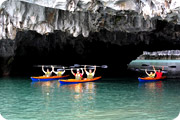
(44, 78)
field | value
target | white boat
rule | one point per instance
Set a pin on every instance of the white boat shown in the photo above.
(1, 117)
(178, 117)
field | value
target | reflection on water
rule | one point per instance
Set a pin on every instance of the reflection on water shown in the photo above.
(153, 89)
(80, 88)
(47, 87)
(81, 95)
(152, 86)
(86, 88)
(108, 100)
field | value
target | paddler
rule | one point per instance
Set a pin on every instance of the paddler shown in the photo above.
(151, 74)
(90, 74)
(78, 75)
(59, 72)
(47, 73)
(159, 72)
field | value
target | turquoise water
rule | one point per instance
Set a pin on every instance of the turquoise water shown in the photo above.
(108, 99)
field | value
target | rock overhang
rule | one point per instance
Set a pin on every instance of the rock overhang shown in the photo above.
(84, 16)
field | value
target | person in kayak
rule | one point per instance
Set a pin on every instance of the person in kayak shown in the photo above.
(47, 73)
(78, 75)
(90, 74)
(59, 72)
(151, 74)
(159, 72)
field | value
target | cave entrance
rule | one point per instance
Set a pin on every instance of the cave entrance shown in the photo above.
(115, 49)
(45, 50)
(35, 49)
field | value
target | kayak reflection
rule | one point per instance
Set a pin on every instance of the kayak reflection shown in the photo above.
(152, 86)
(81, 89)
(82, 96)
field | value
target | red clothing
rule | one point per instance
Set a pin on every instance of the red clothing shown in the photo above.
(159, 74)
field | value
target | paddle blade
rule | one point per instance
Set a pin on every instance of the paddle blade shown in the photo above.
(104, 66)
(71, 66)
(60, 69)
(77, 65)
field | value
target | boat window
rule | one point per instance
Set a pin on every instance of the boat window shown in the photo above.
(144, 65)
(172, 66)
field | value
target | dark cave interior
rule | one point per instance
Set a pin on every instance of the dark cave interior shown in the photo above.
(115, 49)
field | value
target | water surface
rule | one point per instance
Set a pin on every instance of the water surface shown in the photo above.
(108, 99)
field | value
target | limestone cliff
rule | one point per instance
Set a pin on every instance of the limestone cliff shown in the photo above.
(84, 16)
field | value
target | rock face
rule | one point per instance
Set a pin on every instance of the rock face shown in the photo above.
(34, 30)
(84, 16)
(7, 54)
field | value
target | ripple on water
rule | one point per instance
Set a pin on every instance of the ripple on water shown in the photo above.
(124, 99)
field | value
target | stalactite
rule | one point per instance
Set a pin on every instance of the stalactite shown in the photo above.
(84, 16)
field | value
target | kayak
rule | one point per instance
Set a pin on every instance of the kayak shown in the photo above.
(44, 78)
(149, 79)
(73, 81)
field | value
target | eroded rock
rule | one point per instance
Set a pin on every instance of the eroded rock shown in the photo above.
(84, 16)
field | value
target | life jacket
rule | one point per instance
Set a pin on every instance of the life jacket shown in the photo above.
(159, 74)
(78, 76)
(59, 73)
(90, 76)
(47, 74)
(152, 75)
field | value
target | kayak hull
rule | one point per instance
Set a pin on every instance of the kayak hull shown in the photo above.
(148, 79)
(74, 81)
(43, 78)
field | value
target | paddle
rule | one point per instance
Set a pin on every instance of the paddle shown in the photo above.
(102, 66)
(164, 71)
(172, 66)
(74, 69)
(49, 66)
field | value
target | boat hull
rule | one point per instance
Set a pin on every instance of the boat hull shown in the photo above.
(148, 79)
(43, 78)
(74, 81)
